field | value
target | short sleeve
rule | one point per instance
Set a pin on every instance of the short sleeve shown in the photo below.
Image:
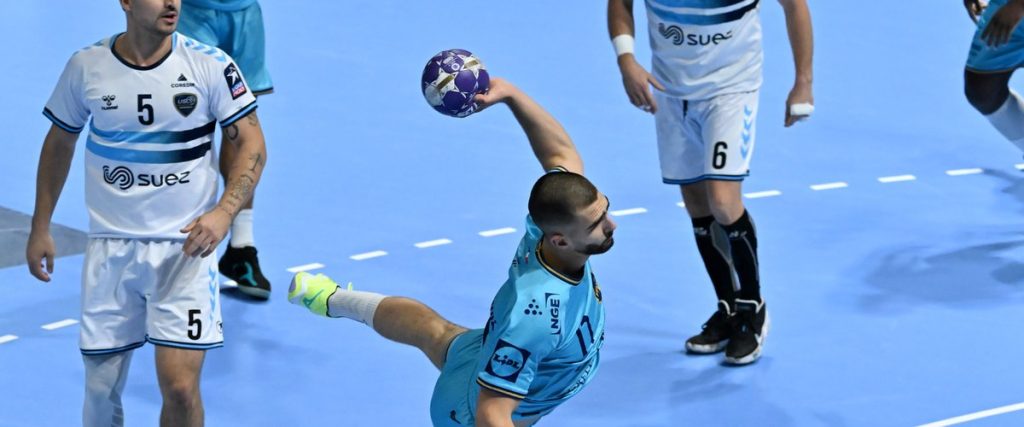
(516, 349)
(67, 107)
(230, 97)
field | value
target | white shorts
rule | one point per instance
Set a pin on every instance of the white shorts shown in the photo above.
(135, 291)
(706, 139)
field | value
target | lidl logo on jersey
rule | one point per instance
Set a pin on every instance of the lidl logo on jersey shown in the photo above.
(235, 82)
(185, 103)
(124, 178)
(507, 361)
(679, 38)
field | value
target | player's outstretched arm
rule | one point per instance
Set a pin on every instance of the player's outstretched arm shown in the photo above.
(550, 143)
(801, 40)
(54, 164)
(206, 232)
(636, 80)
(494, 409)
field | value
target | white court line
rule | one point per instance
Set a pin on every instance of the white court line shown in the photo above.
(1019, 166)
(896, 178)
(829, 186)
(368, 255)
(681, 204)
(432, 243)
(7, 338)
(959, 172)
(60, 324)
(624, 212)
(976, 416)
(229, 282)
(497, 232)
(305, 267)
(760, 194)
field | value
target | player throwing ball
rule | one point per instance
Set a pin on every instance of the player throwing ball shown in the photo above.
(707, 72)
(540, 346)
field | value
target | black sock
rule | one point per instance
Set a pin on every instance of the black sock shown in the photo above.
(743, 241)
(714, 255)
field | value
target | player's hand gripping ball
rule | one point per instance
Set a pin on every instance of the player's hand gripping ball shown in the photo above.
(450, 81)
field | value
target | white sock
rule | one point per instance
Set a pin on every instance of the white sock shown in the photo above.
(1009, 119)
(241, 230)
(356, 305)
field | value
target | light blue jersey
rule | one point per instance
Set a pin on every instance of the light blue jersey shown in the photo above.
(221, 5)
(1007, 57)
(540, 345)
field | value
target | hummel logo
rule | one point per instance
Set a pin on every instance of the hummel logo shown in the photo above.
(109, 100)
(309, 301)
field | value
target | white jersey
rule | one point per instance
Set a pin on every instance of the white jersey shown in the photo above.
(705, 48)
(149, 164)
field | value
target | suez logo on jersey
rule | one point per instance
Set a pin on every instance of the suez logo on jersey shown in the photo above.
(678, 37)
(125, 178)
(235, 82)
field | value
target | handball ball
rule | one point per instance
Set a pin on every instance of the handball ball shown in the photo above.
(451, 79)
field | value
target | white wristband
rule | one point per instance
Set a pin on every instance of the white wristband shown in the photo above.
(623, 44)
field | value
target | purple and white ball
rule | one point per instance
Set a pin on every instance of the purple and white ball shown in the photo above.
(451, 79)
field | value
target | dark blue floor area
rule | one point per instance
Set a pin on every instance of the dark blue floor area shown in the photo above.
(893, 304)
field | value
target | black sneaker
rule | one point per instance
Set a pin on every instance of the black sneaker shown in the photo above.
(715, 333)
(241, 265)
(751, 323)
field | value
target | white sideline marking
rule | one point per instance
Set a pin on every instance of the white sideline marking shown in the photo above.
(681, 204)
(976, 415)
(760, 194)
(368, 255)
(959, 172)
(625, 212)
(229, 282)
(432, 243)
(7, 338)
(1019, 166)
(829, 186)
(897, 178)
(497, 232)
(305, 267)
(60, 324)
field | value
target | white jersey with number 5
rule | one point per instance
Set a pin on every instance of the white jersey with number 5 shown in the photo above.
(149, 164)
(705, 48)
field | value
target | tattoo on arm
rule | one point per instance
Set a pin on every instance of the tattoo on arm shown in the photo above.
(232, 132)
(257, 162)
(253, 120)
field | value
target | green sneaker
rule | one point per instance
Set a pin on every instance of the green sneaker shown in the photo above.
(312, 291)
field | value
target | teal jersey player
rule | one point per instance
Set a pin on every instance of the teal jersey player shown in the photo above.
(540, 346)
(541, 342)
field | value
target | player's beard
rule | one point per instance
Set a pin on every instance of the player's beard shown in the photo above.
(599, 248)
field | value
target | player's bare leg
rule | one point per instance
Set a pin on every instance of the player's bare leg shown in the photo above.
(178, 374)
(399, 319)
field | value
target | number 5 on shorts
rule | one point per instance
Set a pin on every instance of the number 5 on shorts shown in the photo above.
(193, 320)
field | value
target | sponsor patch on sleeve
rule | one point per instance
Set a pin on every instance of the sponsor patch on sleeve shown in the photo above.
(235, 83)
(507, 361)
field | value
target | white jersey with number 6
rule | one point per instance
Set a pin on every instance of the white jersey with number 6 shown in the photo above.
(149, 166)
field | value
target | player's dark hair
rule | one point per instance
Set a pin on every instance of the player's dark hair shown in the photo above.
(557, 196)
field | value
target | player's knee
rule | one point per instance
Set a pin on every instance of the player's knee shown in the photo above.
(725, 209)
(180, 392)
(985, 98)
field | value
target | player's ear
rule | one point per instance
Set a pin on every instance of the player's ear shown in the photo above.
(558, 240)
(126, 5)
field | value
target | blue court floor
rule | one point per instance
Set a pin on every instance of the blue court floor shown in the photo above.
(896, 296)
